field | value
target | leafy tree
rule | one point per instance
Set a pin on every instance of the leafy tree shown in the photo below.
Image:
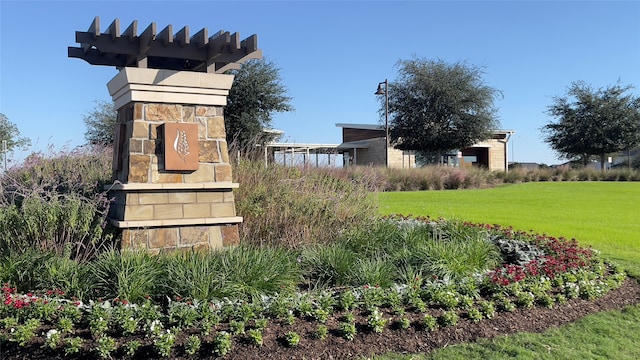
(257, 93)
(101, 123)
(435, 106)
(9, 132)
(593, 122)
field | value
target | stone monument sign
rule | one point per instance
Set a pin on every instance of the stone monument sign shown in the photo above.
(173, 185)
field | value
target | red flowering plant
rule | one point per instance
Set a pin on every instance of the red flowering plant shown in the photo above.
(507, 274)
(29, 305)
(562, 255)
(554, 256)
(527, 255)
(15, 304)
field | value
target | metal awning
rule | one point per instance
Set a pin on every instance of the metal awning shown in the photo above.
(302, 147)
(360, 144)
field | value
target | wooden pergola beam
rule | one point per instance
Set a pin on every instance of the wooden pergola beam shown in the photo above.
(218, 53)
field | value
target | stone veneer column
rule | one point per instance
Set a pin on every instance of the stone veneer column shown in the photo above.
(164, 210)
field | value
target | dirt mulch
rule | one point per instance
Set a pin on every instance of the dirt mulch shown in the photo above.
(393, 339)
(414, 340)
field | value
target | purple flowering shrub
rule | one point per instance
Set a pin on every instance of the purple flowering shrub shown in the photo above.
(56, 202)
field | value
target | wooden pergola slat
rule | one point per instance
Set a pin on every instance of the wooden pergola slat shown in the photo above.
(94, 32)
(166, 35)
(114, 29)
(131, 32)
(201, 38)
(182, 36)
(165, 49)
(146, 39)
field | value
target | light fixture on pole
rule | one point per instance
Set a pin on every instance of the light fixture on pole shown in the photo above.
(385, 92)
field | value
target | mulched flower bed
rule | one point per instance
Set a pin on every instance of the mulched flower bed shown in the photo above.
(393, 339)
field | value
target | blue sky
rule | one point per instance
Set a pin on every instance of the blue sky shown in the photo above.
(332, 55)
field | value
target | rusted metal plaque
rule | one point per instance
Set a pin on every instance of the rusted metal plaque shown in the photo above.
(181, 146)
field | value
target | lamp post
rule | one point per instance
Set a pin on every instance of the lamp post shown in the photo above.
(385, 92)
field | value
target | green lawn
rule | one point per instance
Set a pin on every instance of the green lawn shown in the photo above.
(608, 335)
(605, 215)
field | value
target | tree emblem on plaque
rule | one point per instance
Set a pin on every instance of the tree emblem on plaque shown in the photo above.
(181, 146)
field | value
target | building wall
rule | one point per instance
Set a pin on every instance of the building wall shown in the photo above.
(497, 153)
(401, 159)
(374, 155)
(495, 160)
(349, 134)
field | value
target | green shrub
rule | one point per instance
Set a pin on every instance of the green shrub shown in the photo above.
(127, 274)
(377, 236)
(192, 345)
(347, 330)
(222, 343)
(237, 327)
(105, 346)
(66, 274)
(455, 251)
(487, 308)
(347, 300)
(182, 314)
(255, 335)
(376, 271)
(321, 332)
(164, 343)
(35, 269)
(23, 269)
(280, 306)
(404, 323)
(377, 321)
(73, 345)
(396, 250)
(446, 298)
(192, 274)
(248, 272)
(448, 318)
(474, 315)
(23, 334)
(329, 265)
(429, 322)
(292, 338)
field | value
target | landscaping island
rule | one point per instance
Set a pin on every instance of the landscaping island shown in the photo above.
(540, 282)
(412, 340)
(327, 279)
